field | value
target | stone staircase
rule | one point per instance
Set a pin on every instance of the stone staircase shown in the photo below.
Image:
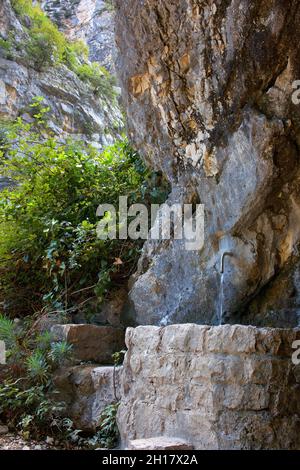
(90, 382)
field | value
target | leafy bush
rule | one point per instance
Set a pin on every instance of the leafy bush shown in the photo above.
(27, 395)
(50, 255)
(107, 434)
(28, 400)
(46, 43)
(47, 46)
(100, 79)
(6, 48)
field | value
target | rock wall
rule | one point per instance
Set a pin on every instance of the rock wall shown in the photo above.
(90, 20)
(87, 390)
(208, 86)
(75, 110)
(226, 387)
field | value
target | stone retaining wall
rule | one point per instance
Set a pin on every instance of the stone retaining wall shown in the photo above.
(227, 387)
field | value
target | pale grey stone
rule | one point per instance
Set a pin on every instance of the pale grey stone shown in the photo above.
(231, 393)
(216, 117)
(87, 390)
(159, 443)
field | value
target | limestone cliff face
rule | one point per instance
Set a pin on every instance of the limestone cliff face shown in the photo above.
(208, 90)
(76, 110)
(90, 20)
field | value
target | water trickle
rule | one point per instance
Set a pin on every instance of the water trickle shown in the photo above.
(221, 300)
(224, 254)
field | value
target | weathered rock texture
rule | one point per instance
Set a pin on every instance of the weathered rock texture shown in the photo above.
(87, 390)
(91, 342)
(75, 110)
(90, 20)
(226, 387)
(208, 90)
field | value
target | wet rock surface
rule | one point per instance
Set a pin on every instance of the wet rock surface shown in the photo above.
(208, 91)
(226, 387)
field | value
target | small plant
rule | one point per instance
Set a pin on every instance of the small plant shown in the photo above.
(107, 434)
(27, 395)
(110, 5)
(6, 48)
(102, 82)
(118, 357)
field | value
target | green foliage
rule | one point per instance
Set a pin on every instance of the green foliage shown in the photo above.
(5, 44)
(100, 79)
(37, 366)
(7, 332)
(110, 5)
(31, 411)
(118, 357)
(27, 395)
(47, 46)
(6, 48)
(60, 351)
(50, 254)
(107, 434)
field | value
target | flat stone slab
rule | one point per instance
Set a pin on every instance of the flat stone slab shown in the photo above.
(159, 443)
(90, 342)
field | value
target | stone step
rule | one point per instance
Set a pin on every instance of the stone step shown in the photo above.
(159, 443)
(91, 343)
(87, 390)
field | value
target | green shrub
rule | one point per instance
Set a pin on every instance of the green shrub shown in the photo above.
(42, 49)
(101, 80)
(27, 395)
(107, 433)
(47, 46)
(50, 255)
(6, 48)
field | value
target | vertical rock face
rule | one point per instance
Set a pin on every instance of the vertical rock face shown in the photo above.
(90, 20)
(208, 90)
(75, 109)
(226, 387)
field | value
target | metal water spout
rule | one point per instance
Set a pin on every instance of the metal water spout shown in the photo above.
(224, 254)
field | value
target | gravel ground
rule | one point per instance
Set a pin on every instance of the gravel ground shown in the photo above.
(15, 442)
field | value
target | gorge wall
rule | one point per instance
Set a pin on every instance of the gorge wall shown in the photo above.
(208, 87)
(75, 109)
(90, 20)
